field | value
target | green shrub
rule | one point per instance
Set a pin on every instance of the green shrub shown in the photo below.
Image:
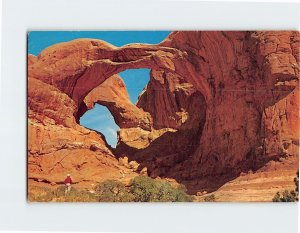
(288, 196)
(210, 198)
(113, 191)
(141, 189)
(146, 189)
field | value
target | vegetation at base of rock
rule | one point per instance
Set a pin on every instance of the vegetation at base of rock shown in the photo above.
(210, 198)
(285, 196)
(140, 189)
(296, 181)
(40, 194)
(43, 194)
(288, 196)
(74, 195)
(146, 189)
(113, 191)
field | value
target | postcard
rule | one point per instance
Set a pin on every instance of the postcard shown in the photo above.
(163, 116)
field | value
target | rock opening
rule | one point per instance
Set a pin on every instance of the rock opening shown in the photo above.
(114, 99)
(100, 119)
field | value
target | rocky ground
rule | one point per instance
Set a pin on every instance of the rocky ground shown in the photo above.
(258, 186)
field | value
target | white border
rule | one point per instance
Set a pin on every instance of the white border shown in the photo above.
(20, 16)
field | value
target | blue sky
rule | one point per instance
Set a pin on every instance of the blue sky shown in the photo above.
(100, 118)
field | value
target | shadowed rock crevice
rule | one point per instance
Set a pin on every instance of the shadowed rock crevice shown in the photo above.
(178, 112)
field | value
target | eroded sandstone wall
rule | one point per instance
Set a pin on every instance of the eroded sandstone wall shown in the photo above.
(240, 74)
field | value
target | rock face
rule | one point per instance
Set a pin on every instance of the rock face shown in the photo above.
(57, 145)
(217, 104)
(245, 73)
(178, 111)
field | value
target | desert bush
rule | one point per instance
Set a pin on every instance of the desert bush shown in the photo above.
(276, 198)
(44, 194)
(288, 196)
(210, 198)
(146, 189)
(113, 191)
(296, 181)
(74, 195)
(39, 194)
(141, 189)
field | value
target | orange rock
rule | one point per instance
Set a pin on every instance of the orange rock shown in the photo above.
(113, 94)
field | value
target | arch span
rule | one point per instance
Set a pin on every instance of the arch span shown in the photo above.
(112, 93)
(91, 62)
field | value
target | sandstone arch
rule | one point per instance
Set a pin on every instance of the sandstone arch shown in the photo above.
(112, 93)
(91, 62)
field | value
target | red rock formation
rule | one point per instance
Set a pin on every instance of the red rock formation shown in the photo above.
(91, 62)
(166, 99)
(113, 94)
(280, 126)
(218, 103)
(57, 145)
(178, 111)
(239, 73)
